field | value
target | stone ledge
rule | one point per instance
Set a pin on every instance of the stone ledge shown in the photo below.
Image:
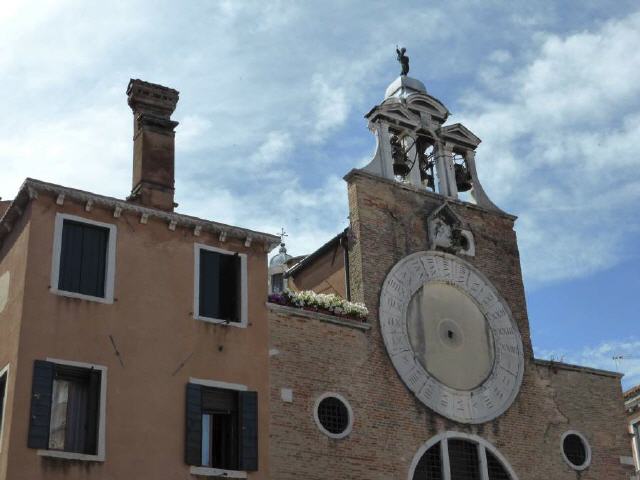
(323, 317)
(576, 368)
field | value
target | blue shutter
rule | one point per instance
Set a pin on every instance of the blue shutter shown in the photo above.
(249, 431)
(41, 392)
(193, 439)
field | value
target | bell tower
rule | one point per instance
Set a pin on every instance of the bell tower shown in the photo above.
(414, 147)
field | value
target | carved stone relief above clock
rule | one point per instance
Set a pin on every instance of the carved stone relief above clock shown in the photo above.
(448, 233)
(451, 337)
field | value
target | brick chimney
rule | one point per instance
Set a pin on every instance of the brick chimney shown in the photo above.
(153, 144)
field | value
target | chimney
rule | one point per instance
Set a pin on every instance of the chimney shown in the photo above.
(153, 144)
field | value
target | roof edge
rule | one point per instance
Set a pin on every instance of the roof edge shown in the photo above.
(577, 368)
(31, 187)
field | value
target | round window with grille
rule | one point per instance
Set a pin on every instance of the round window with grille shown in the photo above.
(465, 454)
(576, 450)
(333, 415)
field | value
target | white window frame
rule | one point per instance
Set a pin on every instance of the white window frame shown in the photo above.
(3, 407)
(585, 443)
(482, 444)
(197, 247)
(635, 443)
(218, 472)
(102, 420)
(110, 261)
(347, 430)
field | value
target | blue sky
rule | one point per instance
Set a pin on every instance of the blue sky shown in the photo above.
(272, 98)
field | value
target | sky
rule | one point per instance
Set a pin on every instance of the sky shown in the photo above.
(272, 98)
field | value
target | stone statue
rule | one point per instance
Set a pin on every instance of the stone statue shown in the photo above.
(403, 59)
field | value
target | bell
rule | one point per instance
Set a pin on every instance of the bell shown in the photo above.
(400, 163)
(427, 180)
(400, 167)
(463, 178)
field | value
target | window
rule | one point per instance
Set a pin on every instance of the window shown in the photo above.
(576, 450)
(220, 286)
(222, 428)
(4, 376)
(333, 415)
(466, 455)
(67, 410)
(84, 258)
(277, 283)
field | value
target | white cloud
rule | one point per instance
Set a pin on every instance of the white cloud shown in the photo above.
(559, 148)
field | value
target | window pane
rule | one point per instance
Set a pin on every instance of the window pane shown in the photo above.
(496, 470)
(206, 440)
(3, 391)
(463, 459)
(430, 465)
(83, 257)
(74, 410)
(58, 425)
(277, 283)
(219, 286)
(220, 432)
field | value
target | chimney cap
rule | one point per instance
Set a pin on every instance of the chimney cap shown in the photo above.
(145, 97)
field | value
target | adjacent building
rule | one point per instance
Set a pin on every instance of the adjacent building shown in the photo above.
(138, 342)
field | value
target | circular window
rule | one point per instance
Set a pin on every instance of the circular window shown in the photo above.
(576, 450)
(333, 415)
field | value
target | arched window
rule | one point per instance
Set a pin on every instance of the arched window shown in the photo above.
(459, 456)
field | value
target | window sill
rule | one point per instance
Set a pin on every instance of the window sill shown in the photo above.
(81, 296)
(219, 321)
(217, 472)
(71, 455)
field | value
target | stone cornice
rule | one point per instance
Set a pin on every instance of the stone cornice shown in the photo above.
(31, 188)
(577, 368)
(357, 172)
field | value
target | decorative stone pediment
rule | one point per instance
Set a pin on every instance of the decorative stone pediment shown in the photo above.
(459, 134)
(447, 232)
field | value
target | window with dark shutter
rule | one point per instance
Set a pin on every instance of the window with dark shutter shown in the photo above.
(83, 258)
(65, 405)
(220, 286)
(221, 428)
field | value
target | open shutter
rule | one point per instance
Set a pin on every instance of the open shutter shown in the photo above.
(93, 412)
(193, 438)
(249, 431)
(41, 390)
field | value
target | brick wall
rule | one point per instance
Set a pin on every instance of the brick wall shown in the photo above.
(312, 357)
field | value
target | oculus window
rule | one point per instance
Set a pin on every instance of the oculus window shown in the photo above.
(66, 408)
(220, 286)
(222, 428)
(466, 456)
(84, 258)
(576, 450)
(333, 415)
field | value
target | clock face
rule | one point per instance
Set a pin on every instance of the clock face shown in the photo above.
(451, 337)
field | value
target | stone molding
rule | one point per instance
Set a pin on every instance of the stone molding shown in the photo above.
(323, 317)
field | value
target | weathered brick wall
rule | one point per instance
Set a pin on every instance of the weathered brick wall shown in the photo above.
(312, 357)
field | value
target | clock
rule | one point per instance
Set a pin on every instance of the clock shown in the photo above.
(451, 337)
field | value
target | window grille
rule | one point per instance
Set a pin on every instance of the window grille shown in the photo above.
(464, 462)
(574, 449)
(430, 465)
(333, 415)
(495, 468)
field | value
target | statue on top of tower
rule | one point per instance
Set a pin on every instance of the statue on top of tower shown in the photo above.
(403, 59)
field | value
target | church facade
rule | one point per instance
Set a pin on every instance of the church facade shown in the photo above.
(440, 382)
